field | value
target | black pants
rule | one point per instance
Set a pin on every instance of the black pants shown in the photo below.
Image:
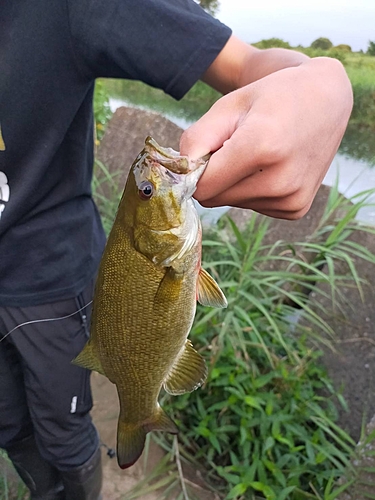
(41, 392)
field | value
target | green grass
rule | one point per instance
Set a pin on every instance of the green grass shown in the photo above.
(11, 487)
(264, 425)
(107, 192)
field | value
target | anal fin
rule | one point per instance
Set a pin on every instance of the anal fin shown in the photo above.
(88, 358)
(188, 372)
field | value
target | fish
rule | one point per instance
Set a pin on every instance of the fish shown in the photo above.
(2, 143)
(149, 280)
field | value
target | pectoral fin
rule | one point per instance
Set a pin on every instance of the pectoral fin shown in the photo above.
(188, 373)
(209, 292)
(88, 358)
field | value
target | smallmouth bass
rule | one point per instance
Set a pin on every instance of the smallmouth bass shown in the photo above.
(149, 280)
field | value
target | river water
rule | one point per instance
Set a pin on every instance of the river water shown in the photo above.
(353, 166)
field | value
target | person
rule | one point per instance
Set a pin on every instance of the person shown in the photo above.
(273, 135)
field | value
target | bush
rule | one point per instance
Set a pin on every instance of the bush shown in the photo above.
(322, 43)
(335, 53)
(264, 424)
(343, 47)
(272, 42)
(371, 49)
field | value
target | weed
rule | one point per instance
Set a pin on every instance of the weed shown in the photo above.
(11, 487)
(264, 424)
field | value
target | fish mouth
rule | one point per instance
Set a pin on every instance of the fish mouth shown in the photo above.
(168, 164)
(171, 159)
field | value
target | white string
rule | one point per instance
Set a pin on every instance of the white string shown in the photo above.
(44, 320)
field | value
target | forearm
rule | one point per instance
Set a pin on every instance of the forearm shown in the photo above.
(240, 64)
(262, 63)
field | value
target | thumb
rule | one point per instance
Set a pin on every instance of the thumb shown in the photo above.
(210, 132)
(230, 133)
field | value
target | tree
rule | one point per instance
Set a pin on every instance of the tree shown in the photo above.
(371, 49)
(210, 6)
(322, 43)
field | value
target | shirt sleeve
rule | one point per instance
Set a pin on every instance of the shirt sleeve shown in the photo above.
(168, 44)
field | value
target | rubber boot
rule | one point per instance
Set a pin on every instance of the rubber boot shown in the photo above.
(42, 479)
(84, 482)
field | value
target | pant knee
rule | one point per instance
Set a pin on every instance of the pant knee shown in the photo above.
(10, 437)
(67, 450)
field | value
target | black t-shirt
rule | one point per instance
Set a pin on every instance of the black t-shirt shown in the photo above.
(51, 51)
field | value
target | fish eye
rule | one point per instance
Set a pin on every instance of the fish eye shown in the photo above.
(146, 190)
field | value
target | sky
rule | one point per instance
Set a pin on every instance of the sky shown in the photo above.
(300, 22)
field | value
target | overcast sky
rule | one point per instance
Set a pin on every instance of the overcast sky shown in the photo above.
(300, 21)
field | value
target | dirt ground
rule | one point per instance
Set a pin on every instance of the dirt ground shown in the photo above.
(116, 482)
(105, 412)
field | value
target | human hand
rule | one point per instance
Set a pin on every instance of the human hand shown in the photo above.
(272, 140)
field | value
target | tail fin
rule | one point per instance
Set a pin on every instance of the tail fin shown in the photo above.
(131, 438)
(130, 443)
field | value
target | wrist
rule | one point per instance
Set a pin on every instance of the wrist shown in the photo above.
(264, 62)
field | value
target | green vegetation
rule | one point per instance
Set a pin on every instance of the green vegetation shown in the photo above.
(272, 42)
(11, 487)
(322, 43)
(371, 49)
(107, 193)
(189, 109)
(361, 71)
(360, 68)
(210, 6)
(264, 424)
(102, 111)
(358, 142)
(344, 47)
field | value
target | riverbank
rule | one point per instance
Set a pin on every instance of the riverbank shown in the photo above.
(360, 69)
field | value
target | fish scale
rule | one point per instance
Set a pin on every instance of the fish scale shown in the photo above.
(145, 296)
